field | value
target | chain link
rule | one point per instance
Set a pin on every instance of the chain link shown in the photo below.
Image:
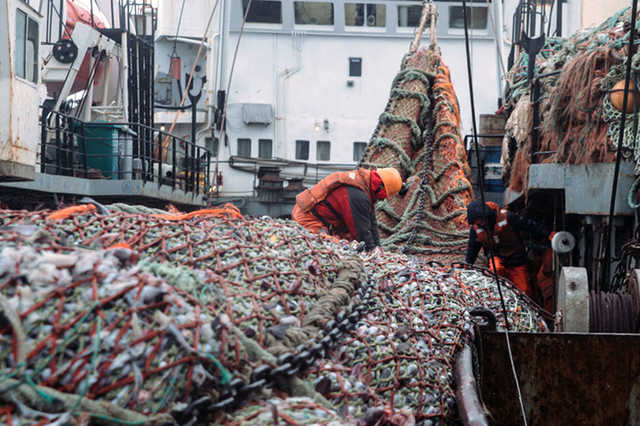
(289, 364)
(424, 182)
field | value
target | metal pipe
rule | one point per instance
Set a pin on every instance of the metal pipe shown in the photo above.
(43, 140)
(559, 18)
(218, 84)
(158, 141)
(173, 162)
(124, 75)
(484, 208)
(535, 98)
(113, 17)
(499, 22)
(470, 408)
(62, 16)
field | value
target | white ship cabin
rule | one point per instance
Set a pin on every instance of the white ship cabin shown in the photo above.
(20, 23)
(309, 80)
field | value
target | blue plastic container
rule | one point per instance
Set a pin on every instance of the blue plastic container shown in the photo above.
(493, 169)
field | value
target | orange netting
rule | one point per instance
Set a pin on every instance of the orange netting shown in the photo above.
(219, 309)
(419, 134)
(577, 122)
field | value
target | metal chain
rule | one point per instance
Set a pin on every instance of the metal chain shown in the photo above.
(289, 364)
(424, 182)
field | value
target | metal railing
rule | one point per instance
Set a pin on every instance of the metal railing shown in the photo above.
(469, 138)
(127, 151)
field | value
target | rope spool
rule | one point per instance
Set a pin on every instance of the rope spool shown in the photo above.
(612, 312)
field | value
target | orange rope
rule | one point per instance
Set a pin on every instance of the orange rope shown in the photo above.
(66, 213)
(120, 245)
(229, 210)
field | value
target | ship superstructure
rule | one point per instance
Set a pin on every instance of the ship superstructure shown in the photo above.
(285, 92)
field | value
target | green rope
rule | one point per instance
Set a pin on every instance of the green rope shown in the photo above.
(416, 133)
(84, 387)
(404, 159)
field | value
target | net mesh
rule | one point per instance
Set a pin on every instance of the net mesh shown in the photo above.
(578, 123)
(419, 135)
(129, 315)
(197, 302)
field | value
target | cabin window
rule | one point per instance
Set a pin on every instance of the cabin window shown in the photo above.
(244, 147)
(358, 150)
(265, 148)
(263, 11)
(409, 16)
(365, 15)
(313, 13)
(212, 145)
(27, 41)
(355, 67)
(302, 150)
(323, 151)
(476, 17)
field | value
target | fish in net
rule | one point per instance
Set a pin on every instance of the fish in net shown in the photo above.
(361, 335)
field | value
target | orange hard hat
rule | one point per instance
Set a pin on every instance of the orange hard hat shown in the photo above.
(391, 179)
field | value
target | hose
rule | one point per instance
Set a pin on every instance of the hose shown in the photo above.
(633, 190)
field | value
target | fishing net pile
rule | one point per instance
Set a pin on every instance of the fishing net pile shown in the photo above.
(127, 317)
(418, 134)
(578, 122)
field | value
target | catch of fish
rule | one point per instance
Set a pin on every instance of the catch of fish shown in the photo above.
(128, 315)
(217, 318)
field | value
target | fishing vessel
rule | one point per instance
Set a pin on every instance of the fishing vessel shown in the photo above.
(151, 150)
(287, 115)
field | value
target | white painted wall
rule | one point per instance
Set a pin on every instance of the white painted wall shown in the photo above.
(194, 17)
(19, 110)
(305, 78)
(596, 11)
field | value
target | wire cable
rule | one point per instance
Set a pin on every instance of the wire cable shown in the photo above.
(165, 142)
(614, 189)
(495, 36)
(175, 40)
(90, 78)
(484, 213)
(222, 135)
(64, 24)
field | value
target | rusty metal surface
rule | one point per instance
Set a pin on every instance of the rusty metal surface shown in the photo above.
(566, 378)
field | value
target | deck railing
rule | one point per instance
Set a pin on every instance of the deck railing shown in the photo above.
(126, 151)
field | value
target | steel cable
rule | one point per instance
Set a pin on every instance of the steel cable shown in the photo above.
(484, 212)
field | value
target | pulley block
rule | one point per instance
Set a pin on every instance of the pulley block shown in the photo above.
(65, 51)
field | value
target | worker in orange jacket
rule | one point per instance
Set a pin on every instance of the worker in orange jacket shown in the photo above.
(342, 204)
(502, 228)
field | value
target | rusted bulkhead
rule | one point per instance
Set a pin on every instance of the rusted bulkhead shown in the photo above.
(565, 378)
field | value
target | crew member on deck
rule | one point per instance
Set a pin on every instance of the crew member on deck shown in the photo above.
(342, 204)
(503, 228)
